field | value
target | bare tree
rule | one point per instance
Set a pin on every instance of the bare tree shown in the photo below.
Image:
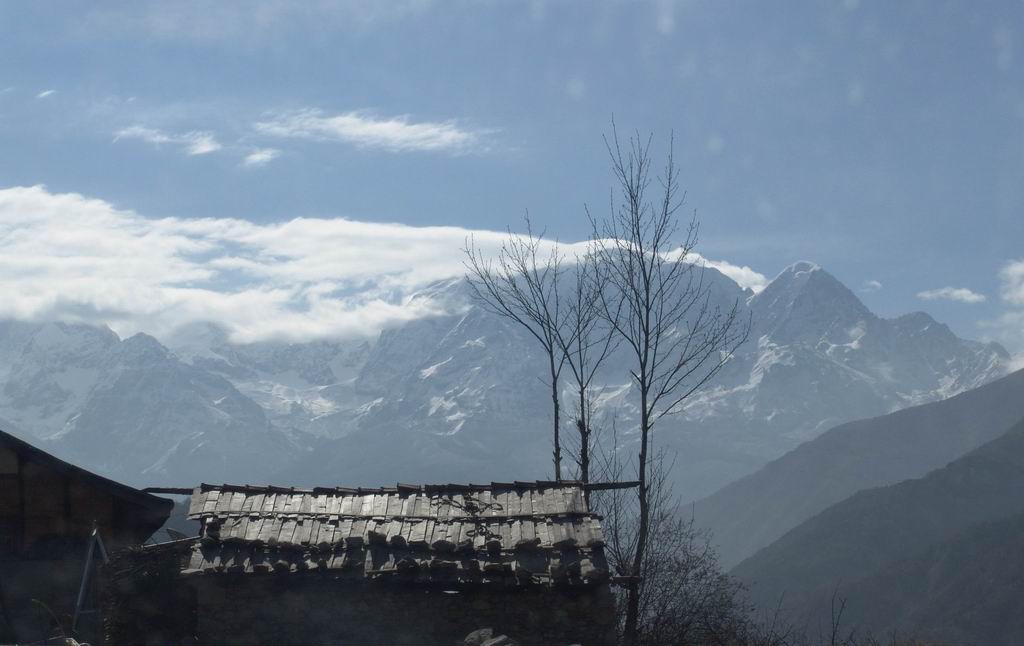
(585, 344)
(522, 285)
(658, 304)
(686, 598)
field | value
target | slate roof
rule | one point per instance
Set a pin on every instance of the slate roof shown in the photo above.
(520, 533)
(32, 453)
(149, 512)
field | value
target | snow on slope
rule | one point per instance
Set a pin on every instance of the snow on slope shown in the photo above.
(129, 409)
(460, 395)
(297, 384)
(464, 392)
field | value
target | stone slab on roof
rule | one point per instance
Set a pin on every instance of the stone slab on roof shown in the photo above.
(520, 532)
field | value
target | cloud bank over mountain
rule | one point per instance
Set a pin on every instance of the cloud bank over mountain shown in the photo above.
(68, 257)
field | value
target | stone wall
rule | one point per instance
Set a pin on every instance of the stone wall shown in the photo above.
(322, 610)
(145, 602)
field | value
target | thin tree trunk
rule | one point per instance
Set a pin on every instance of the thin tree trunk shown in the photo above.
(633, 598)
(583, 426)
(522, 286)
(554, 403)
(662, 310)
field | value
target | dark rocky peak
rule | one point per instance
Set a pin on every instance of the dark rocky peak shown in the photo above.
(142, 348)
(805, 303)
(921, 324)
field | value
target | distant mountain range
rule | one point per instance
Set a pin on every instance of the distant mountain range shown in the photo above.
(752, 512)
(129, 409)
(964, 590)
(927, 556)
(458, 396)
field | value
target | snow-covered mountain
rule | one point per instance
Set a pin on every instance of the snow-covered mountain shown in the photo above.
(130, 409)
(460, 396)
(299, 385)
(817, 357)
(47, 372)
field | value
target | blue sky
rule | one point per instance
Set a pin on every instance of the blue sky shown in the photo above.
(883, 140)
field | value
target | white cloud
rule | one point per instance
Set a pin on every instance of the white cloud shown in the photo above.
(871, 286)
(200, 143)
(744, 276)
(46, 93)
(193, 143)
(960, 294)
(362, 129)
(65, 256)
(1016, 362)
(260, 157)
(1012, 277)
(68, 257)
(1007, 329)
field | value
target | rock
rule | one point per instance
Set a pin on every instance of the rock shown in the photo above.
(478, 637)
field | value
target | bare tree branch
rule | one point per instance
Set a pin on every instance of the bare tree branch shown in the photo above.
(585, 344)
(522, 284)
(657, 302)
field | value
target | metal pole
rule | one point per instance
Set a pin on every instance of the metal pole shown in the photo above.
(95, 540)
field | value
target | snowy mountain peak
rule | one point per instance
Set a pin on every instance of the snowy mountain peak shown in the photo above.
(142, 347)
(459, 391)
(803, 276)
(197, 340)
(922, 324)
(801, 267)
(57, 336)
(805, 303)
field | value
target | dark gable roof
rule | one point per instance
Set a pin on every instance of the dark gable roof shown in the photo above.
(155, 505)
(512, 533)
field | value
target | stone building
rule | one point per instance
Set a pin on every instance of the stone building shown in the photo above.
(49, 510)
(402, 565)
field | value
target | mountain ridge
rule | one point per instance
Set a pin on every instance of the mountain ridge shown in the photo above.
(754, 511)
(463, 387)
(852, 546)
